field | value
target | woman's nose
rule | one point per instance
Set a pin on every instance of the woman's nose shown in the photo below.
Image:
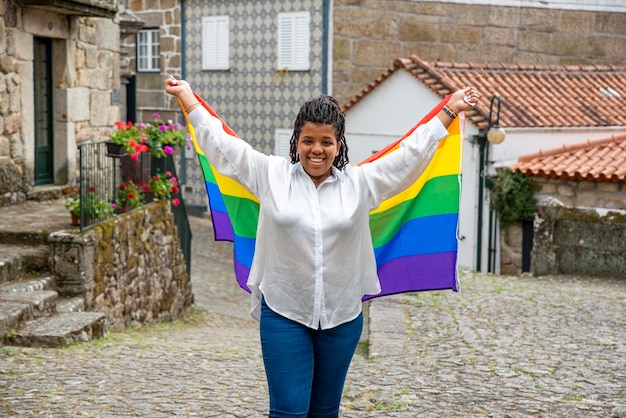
(317, 147)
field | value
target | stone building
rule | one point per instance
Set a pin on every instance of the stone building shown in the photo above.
(59, 82)
(67, 73)
(369, 35)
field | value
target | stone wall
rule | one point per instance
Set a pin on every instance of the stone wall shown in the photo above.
(369, 35)
(131, 267)
(585, 242)
(580, 194)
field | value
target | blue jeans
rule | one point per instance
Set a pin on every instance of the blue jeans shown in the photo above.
(306, 368)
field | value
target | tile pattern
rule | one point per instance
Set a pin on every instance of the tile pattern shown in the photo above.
(598, 160)
(252, 97)
(532, 96)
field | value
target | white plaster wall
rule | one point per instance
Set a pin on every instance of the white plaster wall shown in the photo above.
(400, 101)
(386, 114)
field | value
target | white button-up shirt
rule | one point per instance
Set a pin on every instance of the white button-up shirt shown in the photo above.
(314, 258)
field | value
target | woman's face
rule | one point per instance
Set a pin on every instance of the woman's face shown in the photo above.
(317, 148)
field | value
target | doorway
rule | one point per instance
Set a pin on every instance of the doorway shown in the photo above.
(44, 130)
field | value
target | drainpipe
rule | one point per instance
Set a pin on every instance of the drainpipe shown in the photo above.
(481, 138)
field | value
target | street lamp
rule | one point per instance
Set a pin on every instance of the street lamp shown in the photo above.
(494, 134)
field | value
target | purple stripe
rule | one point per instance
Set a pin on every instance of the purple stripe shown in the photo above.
(241, 273)
(222, 226)
(418, 273)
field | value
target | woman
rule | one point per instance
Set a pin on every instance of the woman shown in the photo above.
(314, 258)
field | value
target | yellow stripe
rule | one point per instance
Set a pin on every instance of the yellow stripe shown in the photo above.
(230, 187)
(227, 185)
(446, 161)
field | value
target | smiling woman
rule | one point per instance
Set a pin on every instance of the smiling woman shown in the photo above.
(313, 260)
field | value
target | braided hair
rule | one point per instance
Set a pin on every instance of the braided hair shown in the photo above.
(322, 110)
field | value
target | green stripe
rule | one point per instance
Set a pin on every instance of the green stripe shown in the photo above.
(439, 195)
(244, 215)
(206, 169)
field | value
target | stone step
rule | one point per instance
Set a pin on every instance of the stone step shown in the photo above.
(16, 307)
(61, 330)
(18, 260)
(29, 284)
(71, 304)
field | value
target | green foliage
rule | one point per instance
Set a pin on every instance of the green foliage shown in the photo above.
(512, 197)
(157, 137)
(129, 194)
(93, 206)
(10, 334)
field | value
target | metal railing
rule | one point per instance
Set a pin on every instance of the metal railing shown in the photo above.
(101, 174)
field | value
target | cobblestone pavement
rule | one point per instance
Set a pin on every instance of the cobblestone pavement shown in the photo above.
(504, 347)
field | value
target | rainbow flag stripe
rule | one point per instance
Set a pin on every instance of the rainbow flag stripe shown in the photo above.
(414, 233)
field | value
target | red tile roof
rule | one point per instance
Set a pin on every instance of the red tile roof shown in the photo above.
(532, 96)
(599, 160)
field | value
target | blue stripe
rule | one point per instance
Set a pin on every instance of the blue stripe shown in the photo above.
(216, 200)
(244, 250)
(426, 235)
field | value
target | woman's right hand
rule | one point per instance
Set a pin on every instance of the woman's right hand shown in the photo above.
(180, 89)
(177, 87)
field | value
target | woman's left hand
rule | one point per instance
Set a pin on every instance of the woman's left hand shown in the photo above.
(464, 99)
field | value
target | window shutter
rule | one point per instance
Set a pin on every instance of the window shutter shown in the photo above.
(284, 41)
(302, 42)
(294, 35)
(281, 142)
(215, 43)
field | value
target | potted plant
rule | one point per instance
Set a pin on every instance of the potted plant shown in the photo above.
(163, 185)
(93, 207)
(158, 138)
(161, 137)
(126, 139)
(72, 203)
(129, 195)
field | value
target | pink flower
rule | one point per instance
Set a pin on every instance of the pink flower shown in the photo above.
(175, 201)
(167, 150)
(134, 157)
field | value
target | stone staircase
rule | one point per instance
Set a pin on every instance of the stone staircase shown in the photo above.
(32, 312)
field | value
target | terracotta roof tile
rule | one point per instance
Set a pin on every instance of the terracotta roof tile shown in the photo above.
(531, 95)
(597, 160)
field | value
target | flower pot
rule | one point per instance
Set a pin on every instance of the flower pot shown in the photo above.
(115, 150)
(75, 219)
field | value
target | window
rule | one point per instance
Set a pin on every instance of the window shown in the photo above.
(294, 41)
(148, 50)
(281, 142)
(215, 43)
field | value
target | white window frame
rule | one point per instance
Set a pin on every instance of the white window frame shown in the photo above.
(148, 55)
(282, 137)
(294, 41)
(215, 43)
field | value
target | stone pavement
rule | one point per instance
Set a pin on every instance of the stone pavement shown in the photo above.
(503, 347)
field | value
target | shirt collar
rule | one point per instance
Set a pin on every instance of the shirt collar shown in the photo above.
(337, 175)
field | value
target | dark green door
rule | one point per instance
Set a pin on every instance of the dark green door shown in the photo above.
(44, 133)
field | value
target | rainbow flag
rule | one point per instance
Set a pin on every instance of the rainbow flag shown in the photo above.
(414, 233)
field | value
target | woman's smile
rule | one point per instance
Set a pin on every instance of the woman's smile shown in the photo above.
(317, 148)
